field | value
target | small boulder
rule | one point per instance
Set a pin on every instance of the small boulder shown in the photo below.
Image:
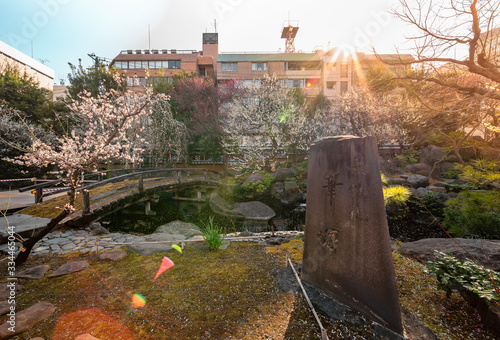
(489, 153)
(34, 273)
(113, 255)
(417, 181)
(27, 319)
(467, 153)
(418, 168)
(95, 228)
(71, 267)
(422, 191)
(284, 173)
(431, 154)
(277, 189)
(436, 189)
(179, 227)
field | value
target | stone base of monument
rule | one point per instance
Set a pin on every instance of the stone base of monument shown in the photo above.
(338, 311)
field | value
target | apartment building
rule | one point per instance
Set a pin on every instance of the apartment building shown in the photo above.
(331, 72)
(43, 74)
(167, 62)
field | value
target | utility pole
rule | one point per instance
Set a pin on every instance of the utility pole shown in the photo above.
(97, 62)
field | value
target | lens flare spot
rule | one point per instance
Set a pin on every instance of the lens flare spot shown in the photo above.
(138, 301)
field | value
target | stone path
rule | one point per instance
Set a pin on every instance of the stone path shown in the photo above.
(71, 241)
(80, 241)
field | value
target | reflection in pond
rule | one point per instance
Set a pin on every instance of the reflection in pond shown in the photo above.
(133, 219)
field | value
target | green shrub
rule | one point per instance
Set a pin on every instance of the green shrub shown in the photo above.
(452, 273)
(259, 187)
(481, 172)
(212, 234)
(474, 214)
(432, 201)
(453, 173)
(409, 156)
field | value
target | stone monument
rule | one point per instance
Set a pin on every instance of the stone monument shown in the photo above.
(347, 251)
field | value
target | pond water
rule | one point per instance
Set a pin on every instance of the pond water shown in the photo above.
(134, 220)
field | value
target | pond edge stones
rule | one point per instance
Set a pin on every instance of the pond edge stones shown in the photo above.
(347, 251)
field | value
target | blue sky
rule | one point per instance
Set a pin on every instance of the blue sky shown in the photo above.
(63, 31)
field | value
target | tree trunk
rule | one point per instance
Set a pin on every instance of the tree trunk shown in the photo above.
(30, 243)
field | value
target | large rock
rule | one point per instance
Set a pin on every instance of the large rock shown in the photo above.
(489, 153)
(283, 173)
(254, 210)
(27, 319)
(467, 153)
(417, 181)
(431, 154)
(178, 227)
(423, 250)
(154, 248)
(287, 192)
(423, 169)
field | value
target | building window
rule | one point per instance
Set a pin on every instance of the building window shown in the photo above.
(344, 87)
(155, 64)
(121, 65)
(331, 67)
(229, 66)
(332, 85)
(174, 64)
(344, 70)
(259, 66)
(136, 81)
(296, 83)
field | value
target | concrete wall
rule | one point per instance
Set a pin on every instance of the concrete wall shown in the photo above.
(43, 74)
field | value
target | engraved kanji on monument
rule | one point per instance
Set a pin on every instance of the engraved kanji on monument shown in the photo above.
(347, 251)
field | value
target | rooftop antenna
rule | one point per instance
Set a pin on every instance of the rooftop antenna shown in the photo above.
(215, 25)
(289, 32)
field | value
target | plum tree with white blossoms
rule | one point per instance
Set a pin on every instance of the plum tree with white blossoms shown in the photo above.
(102, 135)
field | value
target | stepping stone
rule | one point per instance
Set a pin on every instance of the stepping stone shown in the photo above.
(71, 267)
(86, 337)
(5, 307)
(114, 255)
(26, 319)
(34, 273)
(5, 290)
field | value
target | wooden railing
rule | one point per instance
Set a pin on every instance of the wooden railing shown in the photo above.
(141, 174)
